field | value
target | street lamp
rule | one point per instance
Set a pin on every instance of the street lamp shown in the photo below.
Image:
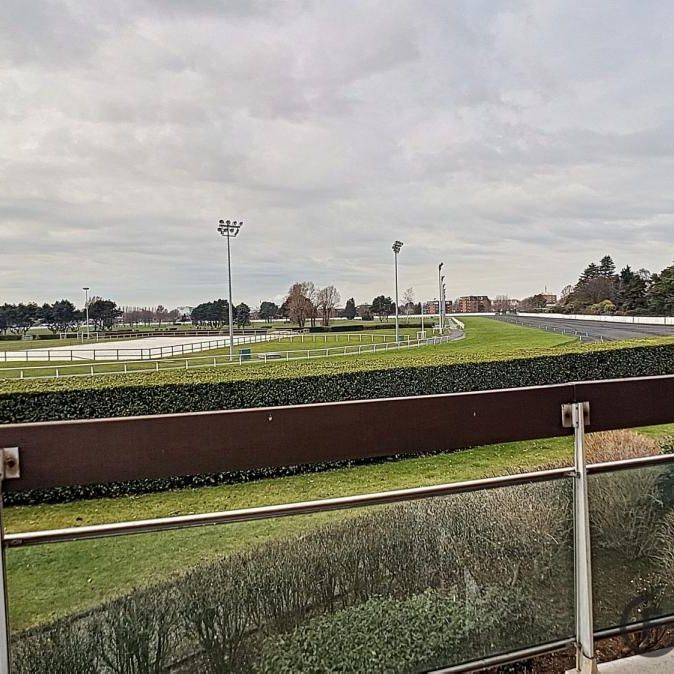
(440, 277)
(397, 245)
(230, 229)
(86, 309)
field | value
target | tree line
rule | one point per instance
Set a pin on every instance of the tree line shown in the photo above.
(61, 316)
(601, 289)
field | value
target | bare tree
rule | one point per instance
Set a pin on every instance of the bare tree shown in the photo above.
(501, 304)
(299, 306)
(161, 314)
(408, 302)
(326, 300)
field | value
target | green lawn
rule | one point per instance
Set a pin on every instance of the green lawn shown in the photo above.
(53, 580)
(483, 338)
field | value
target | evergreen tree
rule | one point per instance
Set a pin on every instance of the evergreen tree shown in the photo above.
(590, 272)
(350, 309)
(242, 315)
(631, 290)
(661, 293)
(607, 267)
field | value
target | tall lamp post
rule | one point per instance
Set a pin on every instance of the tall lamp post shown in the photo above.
(86, 310)
(230, 229)
(397, 245)
(443, 305)
(440, 266)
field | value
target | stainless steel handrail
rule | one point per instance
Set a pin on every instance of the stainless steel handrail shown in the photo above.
(284, 510)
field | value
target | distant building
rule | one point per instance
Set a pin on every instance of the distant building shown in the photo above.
(550, 298)
(473, 304)
(432, 307)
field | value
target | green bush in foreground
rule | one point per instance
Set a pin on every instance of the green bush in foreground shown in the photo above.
(411, 586)
(380, 636)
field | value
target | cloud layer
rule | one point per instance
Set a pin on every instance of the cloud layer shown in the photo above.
(516, 141)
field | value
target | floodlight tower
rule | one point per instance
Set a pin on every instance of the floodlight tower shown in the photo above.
(440, 277)
(86, 309)
(397, 245)
(230, 229)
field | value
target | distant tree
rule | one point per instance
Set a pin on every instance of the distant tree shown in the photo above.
(104, 313)
(596, 290)
(4, 323)
(382, 307)
(603, 307)
(537, 301)
(161, 314)
(408, 303)
(61, 316)
(350, 309)
(364, 311)
(211, 314)
(20, 318)
(268, 311)
(326, 301)
(631, 290)
(242, 315)
(173, 316)
(501, 304)
(311, 292)
(298, 305)
(607, 267)
(590, 272)
(661, 293)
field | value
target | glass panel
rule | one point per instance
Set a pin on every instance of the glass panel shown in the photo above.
(632, 527)
(407, 587)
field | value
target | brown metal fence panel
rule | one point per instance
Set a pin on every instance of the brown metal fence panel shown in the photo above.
(133, 448)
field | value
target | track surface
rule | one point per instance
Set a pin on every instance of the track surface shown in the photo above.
(591, 331)
(131, 349)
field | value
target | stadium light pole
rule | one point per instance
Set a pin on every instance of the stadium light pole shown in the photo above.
(443, 293)
(230, 230)
(86, 310)
(397, 245)
(440, 266)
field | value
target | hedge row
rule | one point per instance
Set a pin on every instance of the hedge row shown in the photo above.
(217, 389)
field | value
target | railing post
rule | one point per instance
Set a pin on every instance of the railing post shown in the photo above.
(9, 469)
(586, 662)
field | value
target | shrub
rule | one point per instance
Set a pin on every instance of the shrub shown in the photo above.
(313, 382)
(381, 635)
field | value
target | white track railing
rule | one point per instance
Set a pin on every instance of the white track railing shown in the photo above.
(193, 363)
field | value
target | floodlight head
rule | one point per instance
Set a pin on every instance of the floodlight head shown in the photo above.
(397, 245)
(229, 228)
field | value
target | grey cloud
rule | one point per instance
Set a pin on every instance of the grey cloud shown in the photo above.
(515, 141)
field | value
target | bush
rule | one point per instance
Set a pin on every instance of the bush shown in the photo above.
(381, 635)
(422, 584)
(490, 553)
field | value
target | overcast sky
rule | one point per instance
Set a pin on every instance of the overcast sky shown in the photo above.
(516, 141)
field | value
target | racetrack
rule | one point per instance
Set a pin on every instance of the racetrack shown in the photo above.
(591, 331)
(132, 349)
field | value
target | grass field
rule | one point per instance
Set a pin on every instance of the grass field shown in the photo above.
(483, 337)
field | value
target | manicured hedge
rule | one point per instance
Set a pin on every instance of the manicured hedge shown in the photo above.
(290, 384)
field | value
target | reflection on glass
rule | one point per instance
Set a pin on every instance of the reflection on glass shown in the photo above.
(632, 527)
(406, 587)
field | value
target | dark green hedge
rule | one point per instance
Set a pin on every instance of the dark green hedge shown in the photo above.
(182, 392)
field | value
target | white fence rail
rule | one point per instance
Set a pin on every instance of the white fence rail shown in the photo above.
(637, 320)
(145, 366)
